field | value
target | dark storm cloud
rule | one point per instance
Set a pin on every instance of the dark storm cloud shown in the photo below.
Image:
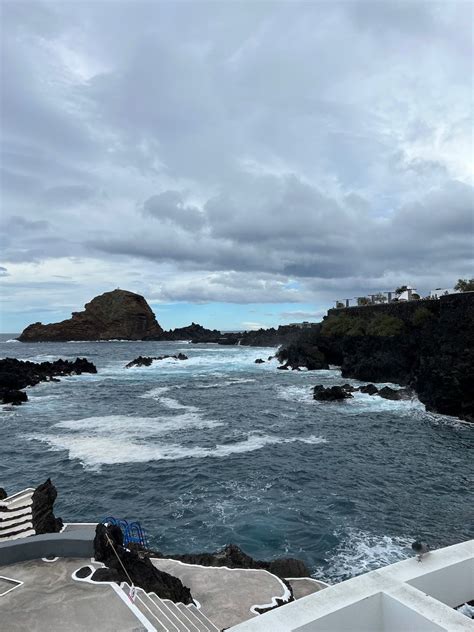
(327, 143)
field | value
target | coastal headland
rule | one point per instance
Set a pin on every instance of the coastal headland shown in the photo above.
(427, 345)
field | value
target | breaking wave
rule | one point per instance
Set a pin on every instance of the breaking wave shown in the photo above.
(359, 552)
(109, 448)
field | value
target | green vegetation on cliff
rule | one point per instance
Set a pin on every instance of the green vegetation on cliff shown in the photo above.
(376, 325)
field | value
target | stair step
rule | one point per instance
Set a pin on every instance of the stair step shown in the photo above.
(150, 616)
(169, 609)
(147, 608)
(167, 616)
(204, 620)
(195, 624)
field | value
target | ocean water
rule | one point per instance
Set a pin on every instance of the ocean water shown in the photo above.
(218, 449)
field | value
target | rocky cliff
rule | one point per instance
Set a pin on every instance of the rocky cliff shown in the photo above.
(427, 345)
(113, 315)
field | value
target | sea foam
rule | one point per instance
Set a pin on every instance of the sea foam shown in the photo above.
(94, 448)
(359, 552)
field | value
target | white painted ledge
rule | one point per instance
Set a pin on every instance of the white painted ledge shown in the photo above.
(411, 596)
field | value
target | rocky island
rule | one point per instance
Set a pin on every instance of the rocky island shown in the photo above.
(116, 315)
(124, 315)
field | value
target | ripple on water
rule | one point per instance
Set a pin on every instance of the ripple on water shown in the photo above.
(217, 449)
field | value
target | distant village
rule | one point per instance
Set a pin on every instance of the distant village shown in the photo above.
(404, 293)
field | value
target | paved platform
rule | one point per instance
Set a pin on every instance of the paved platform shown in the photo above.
(226, 595)
(302, 587)
(50, 600)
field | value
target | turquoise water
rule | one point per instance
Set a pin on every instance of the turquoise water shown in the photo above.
(218, 449)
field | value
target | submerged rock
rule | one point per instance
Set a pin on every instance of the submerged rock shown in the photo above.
(148, 361)
(116, 315)
(140, 570)
(259, 361)
(330, 394)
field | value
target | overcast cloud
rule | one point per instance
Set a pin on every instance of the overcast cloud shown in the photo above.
(233, 152)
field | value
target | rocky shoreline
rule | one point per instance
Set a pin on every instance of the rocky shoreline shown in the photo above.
(16, 375)
(427, 346)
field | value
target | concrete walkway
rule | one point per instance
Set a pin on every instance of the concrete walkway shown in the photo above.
(50, 600)
(226, 595)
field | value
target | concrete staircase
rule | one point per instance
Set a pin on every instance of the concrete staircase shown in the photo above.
(167, 616)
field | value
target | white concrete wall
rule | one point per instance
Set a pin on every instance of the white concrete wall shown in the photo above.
(453, 585)
(409, 596)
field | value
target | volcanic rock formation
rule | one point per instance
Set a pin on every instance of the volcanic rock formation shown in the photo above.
(233, 557)
(116, 315)
(427, 345)
(148, 360)
(330, 394)
(138, 569)
(18, 374)
(44, 520)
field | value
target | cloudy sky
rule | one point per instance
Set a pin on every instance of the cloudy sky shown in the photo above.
(237, 163)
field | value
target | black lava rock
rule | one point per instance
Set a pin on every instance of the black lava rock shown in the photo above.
(139, 569)
(18, 374)
(12, 396)
(427, 345)
(43, 499)
(233, 557)
(370, 389)
(395, 394)
(148, 361)
(330, 394)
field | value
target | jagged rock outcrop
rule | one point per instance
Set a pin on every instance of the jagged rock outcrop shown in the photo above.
(18, 374)
(303, 353)
(44, 520)
(116, 315)
(330, 393)
(233, 557)
(139, 569)
(148, 361)
(395, 394)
